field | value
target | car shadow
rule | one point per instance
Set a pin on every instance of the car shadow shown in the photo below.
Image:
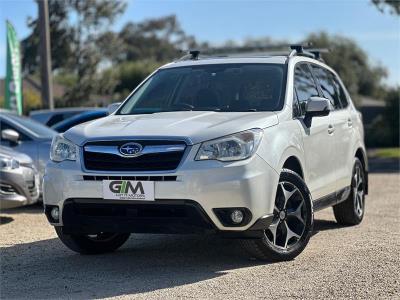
(36, 208)
(323, 225)
(46, 269)
(5, 220)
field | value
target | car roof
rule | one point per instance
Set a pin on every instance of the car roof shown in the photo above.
(60, 110)
(227, 60)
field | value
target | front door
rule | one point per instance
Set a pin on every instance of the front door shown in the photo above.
(318, 138)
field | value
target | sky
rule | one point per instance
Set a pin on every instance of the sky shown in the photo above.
(217, 21)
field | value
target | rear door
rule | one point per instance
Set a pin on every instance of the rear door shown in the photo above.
(342, 124)
(318, 140)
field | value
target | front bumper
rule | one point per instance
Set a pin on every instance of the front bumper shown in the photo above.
(249, 184)
(18, 187)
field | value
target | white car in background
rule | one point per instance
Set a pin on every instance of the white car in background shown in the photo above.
(247, 147)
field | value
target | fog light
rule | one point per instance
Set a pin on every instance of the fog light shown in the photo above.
(55, 213)
(237, 216)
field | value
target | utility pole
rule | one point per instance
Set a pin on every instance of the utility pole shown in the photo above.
(45, 55)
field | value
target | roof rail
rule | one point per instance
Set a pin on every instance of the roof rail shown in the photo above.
(301, 50)
(297, 50)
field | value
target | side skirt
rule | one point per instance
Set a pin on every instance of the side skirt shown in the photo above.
(332, 199)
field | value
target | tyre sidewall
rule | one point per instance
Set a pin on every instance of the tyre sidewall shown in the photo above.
(84, 245)
(287, 254)
(357, 162)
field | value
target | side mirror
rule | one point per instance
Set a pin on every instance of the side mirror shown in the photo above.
(10, 135)
(316, 107)
(113, 107)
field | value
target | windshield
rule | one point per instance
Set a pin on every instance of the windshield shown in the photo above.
(32, 126)
(218, 87)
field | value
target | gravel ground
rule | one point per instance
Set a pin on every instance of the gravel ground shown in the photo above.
(339, 263)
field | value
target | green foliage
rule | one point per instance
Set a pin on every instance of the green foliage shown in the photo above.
(384, 132)
(393, 6)
(351, 63)
(156, 39)
(387, 153)
(31, 100)
(74, 45)
(61, 35)
(131, 74)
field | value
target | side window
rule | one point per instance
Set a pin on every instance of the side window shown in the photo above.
(304, 85)
(342, 95)
(328, 85)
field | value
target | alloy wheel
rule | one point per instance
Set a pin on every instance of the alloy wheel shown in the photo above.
(358, 191)
(289, 222)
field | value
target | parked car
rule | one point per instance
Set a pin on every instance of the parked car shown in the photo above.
(19, 179)
(27, 136)
(248, 147)
(79, 118)
(51, 117)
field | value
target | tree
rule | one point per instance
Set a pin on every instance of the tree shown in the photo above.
(159, 39)
(351, 63)
(392, 5)
(74, 42)
(60, 34)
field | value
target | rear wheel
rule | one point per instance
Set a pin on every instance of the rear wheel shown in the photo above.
(92, 244)
(351, 211)
(292, 223)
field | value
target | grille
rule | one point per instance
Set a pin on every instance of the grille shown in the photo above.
(163, 161)
(160, 216)
(7, 189)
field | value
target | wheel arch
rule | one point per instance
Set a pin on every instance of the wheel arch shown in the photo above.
(293, 163)
(293, 159)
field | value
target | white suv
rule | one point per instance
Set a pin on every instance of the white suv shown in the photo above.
(247, 147)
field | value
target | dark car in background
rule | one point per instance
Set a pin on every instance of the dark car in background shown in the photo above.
(79, 118)
(51, 117)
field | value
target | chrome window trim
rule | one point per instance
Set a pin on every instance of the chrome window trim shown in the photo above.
(151, 149)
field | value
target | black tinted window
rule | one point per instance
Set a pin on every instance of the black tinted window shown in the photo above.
(304, 85)
(328, 85)
(342, 95)
(217, 87)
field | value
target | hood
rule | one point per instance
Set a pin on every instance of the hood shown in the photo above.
(193, 126)
(23, 159)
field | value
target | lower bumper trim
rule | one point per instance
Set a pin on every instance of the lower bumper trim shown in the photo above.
(91, 216)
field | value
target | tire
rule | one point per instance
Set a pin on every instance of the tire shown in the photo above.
(351, 211)
(298, 217)
(96, 244)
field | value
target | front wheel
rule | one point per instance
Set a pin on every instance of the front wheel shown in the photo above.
(292, 223)
(102, 242)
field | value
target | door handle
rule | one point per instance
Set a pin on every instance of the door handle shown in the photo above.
(349, 122)
(331, 129)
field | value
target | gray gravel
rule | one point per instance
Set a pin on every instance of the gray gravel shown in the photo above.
(340, 262)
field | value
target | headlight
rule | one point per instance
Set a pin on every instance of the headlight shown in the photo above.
(62, 149)
(233, 147)
(8, 163)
